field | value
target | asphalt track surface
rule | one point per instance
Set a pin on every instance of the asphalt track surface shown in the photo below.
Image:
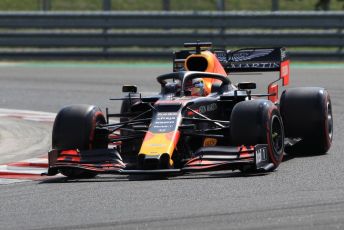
(306, 192)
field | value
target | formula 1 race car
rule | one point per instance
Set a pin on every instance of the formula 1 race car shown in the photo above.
(199, 121)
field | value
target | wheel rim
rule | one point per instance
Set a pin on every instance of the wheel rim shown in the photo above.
(277, 135)
(329, 120)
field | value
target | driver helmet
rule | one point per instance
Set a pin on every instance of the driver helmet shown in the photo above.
(197, 88)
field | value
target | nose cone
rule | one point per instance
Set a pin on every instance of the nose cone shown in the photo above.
(150, 162)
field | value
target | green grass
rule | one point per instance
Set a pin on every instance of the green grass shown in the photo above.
(91, 5)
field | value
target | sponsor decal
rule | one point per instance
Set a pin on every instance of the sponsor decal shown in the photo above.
(246, 55)
(261, 155)
(284, 70)
(157, 145)
(221, 56)
(208, 142)
(207, 108)
(164, 122)
(261, 65)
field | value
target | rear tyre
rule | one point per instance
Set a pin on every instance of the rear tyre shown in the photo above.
(258, 122)
(74, 128)
(307, 114)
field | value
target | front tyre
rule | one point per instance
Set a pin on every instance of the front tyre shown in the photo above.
(75, 128)
(259, 122)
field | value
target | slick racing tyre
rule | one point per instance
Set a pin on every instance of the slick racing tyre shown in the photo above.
(74, 128)
(258, 122)
(307, 114)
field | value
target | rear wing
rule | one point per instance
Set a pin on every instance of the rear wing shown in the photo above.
(253, 60)
(244, 60)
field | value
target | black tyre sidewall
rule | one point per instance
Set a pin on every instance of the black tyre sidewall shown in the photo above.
(327, 139)
(305, 115)
(74, 128)
(251, 123)
(276, 156)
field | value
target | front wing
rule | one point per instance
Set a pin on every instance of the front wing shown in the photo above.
(108, 161)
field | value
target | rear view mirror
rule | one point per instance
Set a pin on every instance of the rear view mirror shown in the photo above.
(129, 89)
(247, 85)
(187, 93)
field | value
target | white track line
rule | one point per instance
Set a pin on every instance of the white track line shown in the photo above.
(11, 181)
(21, 170)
